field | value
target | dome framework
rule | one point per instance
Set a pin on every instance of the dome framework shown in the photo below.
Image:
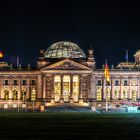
(64, 50)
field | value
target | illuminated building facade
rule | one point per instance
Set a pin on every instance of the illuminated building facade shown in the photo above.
(65, 75)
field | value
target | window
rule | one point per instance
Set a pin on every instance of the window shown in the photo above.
(99, 95)
(15, 82)
(57, 87)
(66, 87)
(15, 95)
(116, 94)
(108, 94)
(134, 95)
(99, 83)
(5, 82)
(125, 95)
(116, 82)
(125, 83)
(23, 82)
(134, 83)
(33, 82)
(75, 87)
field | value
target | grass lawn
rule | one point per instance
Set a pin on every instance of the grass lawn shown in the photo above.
(48, 126)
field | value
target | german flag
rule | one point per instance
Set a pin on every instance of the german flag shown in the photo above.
(106, 73)
(1, 54)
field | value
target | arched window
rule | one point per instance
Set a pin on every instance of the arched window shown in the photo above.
(116, 95)
(134, 95)
(66, 87)
(6, 95)
(125, 95)
(24, 95)
(108, 94)
(15, 94)
(57, 87)
(75, 87)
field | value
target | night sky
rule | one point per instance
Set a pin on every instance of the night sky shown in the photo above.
(109, 27)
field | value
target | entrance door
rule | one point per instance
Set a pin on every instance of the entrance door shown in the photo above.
(66, 88)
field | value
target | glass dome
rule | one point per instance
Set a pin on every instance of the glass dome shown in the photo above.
(64, 50)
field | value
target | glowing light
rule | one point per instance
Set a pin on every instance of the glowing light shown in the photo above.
(1, 54)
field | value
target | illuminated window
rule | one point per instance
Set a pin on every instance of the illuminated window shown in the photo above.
(57, 87)
(6, 95)
(108, 94)
(75, 87)
(15, 95)
(116, 94)
(99, 95)
(125, 95)
(24, 95)
(66, 87)
(33, 95)
(134, 95)
(134, 83)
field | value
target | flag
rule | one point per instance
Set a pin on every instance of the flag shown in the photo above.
(126, 56)
(1, 54)
(106, 73)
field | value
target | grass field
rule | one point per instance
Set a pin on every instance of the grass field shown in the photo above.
(48, 126)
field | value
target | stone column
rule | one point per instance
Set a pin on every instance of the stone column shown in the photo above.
(88, 87)
(80, 87)
(104, 89)
(138, 96)
(39, 86)
(93, 87)
(10, 79)
(52, 85)
(44, 87)
(121, 89)
(111, 92)
(71, 86)
(61, 94)
(130, 88)
(28, 88)
(19, 91)
(1, 87)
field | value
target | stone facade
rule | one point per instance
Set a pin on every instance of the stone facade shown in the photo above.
(70, 80)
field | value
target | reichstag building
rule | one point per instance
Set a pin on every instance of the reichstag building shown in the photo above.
(64, 74)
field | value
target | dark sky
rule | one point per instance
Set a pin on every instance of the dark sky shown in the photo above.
(110, 27)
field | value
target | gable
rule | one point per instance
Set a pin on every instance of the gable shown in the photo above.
(66, 64)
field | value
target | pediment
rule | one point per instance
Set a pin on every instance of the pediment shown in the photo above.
(66, 64)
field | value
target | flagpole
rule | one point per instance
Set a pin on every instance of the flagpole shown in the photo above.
(127, 55)
(106, 93)
(17, 61)
(106, 99)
